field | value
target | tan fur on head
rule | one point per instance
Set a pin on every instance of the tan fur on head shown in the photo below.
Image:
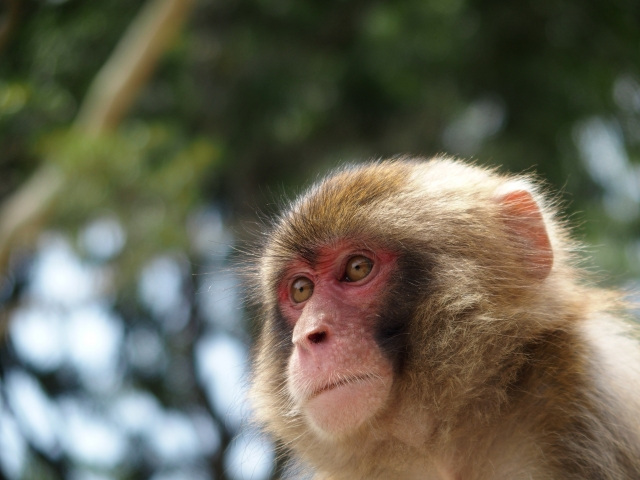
(491, 339)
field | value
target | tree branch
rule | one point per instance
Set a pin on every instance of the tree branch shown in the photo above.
(109, 97)
(118, 82)
(9, 22)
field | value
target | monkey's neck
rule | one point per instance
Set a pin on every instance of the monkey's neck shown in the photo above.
(536, 396)
(544, 414)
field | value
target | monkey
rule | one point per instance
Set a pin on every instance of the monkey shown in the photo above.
(430, 319)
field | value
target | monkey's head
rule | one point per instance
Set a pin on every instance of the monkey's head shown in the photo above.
(390, 297)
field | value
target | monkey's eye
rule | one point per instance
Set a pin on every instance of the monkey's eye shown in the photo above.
(357, 268)
(301, 289)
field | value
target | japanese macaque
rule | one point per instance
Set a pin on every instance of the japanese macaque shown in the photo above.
(427, 320)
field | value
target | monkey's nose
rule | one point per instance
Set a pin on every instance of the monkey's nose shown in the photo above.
(317, 337)
(311, 337)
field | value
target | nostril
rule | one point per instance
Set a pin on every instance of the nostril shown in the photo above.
(317, 337)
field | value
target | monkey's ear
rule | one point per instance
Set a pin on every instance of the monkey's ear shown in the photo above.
(525, 224)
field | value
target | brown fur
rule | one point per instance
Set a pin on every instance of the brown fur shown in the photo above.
(499, 375)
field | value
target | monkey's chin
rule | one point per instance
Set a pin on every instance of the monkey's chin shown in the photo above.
(341, 409)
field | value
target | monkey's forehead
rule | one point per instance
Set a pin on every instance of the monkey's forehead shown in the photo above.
(377, 201)
(343, 208)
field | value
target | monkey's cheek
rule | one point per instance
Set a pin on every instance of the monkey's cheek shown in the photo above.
(343, 409)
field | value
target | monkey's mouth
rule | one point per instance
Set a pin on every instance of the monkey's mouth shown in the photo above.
(341, 383)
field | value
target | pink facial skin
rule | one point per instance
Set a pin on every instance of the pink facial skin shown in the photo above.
(337, 375)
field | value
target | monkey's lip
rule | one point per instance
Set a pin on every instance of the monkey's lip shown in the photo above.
(341, 383)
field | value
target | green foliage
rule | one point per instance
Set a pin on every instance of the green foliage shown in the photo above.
(289, 89)
(149, 176)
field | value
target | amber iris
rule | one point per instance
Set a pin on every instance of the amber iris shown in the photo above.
(357, 268)
(301, 289)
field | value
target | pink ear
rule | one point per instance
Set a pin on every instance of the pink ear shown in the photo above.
(524, 220)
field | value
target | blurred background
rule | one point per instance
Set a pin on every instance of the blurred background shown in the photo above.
(139, 139)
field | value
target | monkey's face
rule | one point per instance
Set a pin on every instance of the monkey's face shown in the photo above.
(337, 375)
